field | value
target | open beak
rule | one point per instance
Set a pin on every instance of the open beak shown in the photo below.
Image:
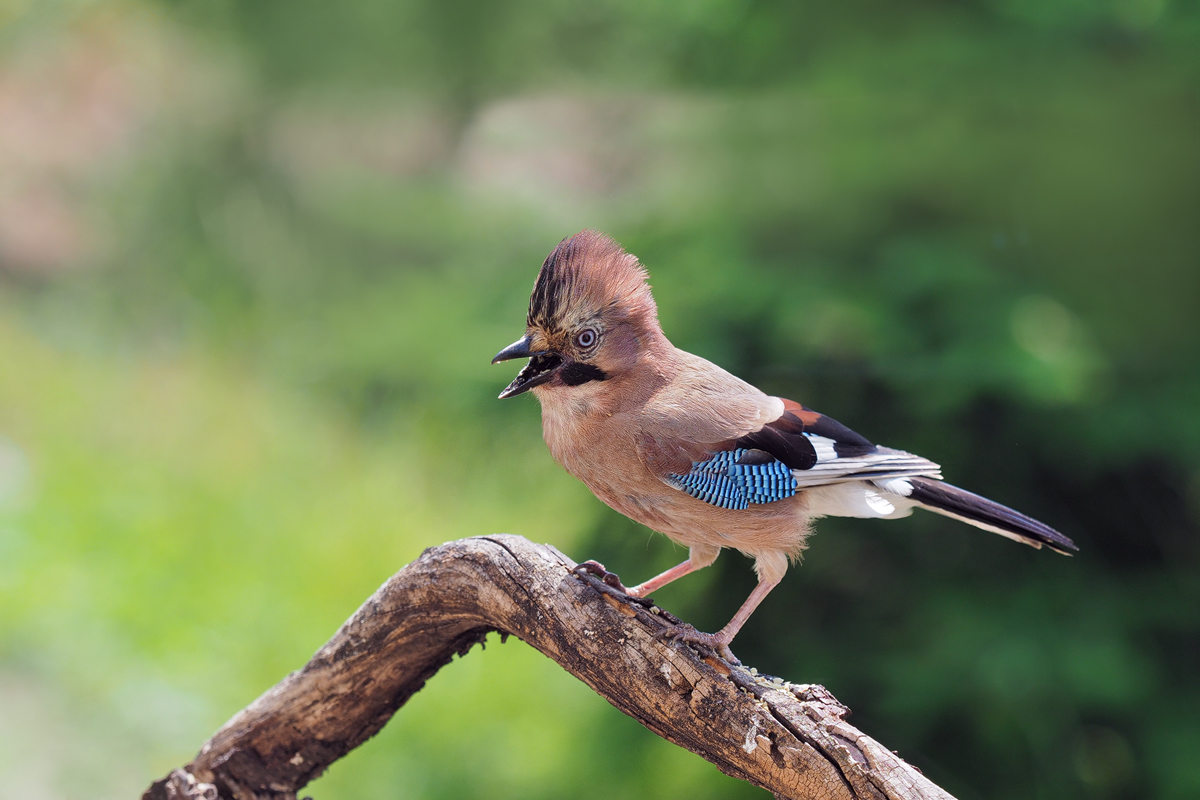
(542, 366)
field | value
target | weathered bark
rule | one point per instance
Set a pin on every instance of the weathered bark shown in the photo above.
(792, 740)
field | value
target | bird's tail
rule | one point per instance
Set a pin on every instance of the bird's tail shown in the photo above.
(965, 506)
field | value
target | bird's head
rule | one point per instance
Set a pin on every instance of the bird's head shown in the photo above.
(590, 316)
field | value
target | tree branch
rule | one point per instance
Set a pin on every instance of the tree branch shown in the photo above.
(791, 740)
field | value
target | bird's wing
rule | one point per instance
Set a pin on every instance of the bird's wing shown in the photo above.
(822, 451)
(842, 474)
(751, 461)
(704, 404)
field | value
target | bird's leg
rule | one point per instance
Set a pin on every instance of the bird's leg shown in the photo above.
(699, 557)
(720, 640)
(661, 580)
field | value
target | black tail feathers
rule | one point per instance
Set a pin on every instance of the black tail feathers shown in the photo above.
(960, 504)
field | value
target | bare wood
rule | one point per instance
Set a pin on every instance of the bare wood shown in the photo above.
(791, 740)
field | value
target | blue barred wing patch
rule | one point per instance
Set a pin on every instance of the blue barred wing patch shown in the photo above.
(722, 481)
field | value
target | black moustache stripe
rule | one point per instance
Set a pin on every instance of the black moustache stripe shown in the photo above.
(576, 374)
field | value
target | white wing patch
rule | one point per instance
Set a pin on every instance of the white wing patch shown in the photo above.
(823, 446)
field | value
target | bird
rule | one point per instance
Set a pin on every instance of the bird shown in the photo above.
(687, 449)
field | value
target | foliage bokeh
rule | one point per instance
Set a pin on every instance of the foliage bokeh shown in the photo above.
(254, 257)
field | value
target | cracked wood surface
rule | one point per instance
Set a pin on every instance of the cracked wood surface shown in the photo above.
(791, 740)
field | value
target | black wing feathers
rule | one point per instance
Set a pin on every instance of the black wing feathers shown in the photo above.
(785, 437)
(785, 441)
(846, 443)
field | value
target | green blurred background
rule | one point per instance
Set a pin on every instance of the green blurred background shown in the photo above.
(255, 256)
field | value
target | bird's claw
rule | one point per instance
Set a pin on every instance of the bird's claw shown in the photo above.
(610, 579)
(684, 632)
(676, 631)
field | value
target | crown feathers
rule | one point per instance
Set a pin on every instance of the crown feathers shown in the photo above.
(589, 274)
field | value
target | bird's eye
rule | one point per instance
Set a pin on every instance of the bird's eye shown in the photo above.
(585, 338)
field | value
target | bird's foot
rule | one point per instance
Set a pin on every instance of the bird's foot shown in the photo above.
(683, 632)
(610, 579)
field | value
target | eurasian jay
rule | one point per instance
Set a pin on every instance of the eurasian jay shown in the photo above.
(687, 449)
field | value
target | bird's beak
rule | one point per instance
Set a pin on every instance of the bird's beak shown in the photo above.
(542, 366)
(518, 349)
